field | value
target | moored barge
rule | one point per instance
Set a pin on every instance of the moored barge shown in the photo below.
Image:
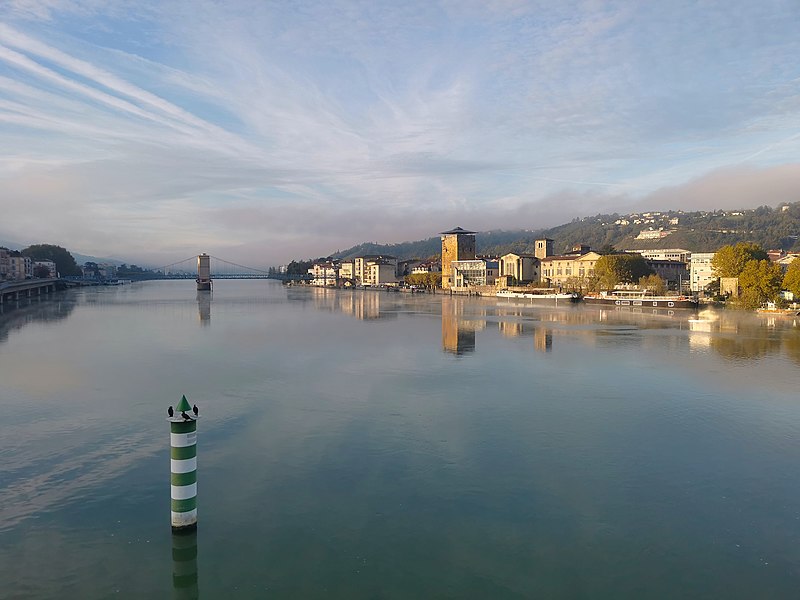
(641, 300)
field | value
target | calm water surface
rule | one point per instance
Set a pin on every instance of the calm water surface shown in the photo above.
(377, 445)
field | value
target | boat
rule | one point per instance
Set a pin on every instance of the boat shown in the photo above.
(538, 297)
(640, 299)
(770, 308)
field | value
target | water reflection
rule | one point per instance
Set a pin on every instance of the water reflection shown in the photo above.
(16, 315)
(365, 305)
(514, 322)
(730, 334)
(543, 340)
(204, 307)
(458, 334)
(184, 565)
(396, 439)
(739, 336)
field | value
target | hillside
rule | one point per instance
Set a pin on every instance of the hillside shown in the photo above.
(701, 231)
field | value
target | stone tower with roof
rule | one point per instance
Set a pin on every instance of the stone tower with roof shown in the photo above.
(457, 244)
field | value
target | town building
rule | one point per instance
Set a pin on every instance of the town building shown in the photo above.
(701, 272)
(457, 245)
(380, 272)
(4, 263)
(406, 267)
(473, 273)
(543, 248)
(678, 254)
(519, 268)
(729, 286)
(19, 267)
(48, 265)
(347, 272)
(323, 274)
(580, 263)
(653, 234)
(362, 269)
(427, 267)
(675, 273)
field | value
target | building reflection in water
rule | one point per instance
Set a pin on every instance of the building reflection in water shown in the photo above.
(204, 307)
(458, 334)
(18, 314)
(730, 334)
(364, 305)
(184, 565)
(543, 339)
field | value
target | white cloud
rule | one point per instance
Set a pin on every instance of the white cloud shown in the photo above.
(186, 124)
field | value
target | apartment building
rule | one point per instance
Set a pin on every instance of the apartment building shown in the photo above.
(700, 271)
(363, 271)
(556, 270)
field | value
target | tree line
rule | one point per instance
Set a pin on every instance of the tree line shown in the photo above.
(759, 279)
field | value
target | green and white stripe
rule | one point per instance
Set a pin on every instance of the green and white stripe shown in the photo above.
(184, 565)
(183, 466)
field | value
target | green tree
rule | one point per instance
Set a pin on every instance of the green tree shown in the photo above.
(612, 269)
(41, 272)
(65, 263)
(433, 280)
(791, 281)
(653, 283)
(729, 261)
(760, 281)
(574, 284)
(428, 280)
(299, 267)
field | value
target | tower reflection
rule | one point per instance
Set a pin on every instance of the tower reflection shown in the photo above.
(184, 565)
(204, 307)
(458, 335)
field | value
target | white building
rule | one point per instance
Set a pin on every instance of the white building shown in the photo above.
(323, 274)
(700, 271)
(433, 267)
(653, 234)
(46, 264)
(380, 272)
(362, 268)
(346, 271)
(678, 254)
(477, 272)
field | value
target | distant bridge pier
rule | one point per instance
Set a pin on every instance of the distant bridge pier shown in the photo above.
(203, 273)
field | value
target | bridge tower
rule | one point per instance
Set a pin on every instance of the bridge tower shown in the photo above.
(203, 273)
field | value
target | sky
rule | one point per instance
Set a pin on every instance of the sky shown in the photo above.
(261, 131)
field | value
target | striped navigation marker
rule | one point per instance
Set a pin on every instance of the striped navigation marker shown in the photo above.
(183, 465)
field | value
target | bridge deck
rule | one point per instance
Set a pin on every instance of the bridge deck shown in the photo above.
(14, 290)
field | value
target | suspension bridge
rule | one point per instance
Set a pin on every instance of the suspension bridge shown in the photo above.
(205, 268)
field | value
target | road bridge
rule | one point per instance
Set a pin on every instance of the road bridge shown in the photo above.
(11, 291)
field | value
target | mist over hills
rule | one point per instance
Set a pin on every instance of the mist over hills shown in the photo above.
(79, 258)
(700, 231)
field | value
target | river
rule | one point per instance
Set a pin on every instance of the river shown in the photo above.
(380, 445)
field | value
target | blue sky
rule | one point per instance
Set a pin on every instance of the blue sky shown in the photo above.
(263, 131)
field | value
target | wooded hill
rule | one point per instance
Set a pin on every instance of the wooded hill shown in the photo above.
(702, 231)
